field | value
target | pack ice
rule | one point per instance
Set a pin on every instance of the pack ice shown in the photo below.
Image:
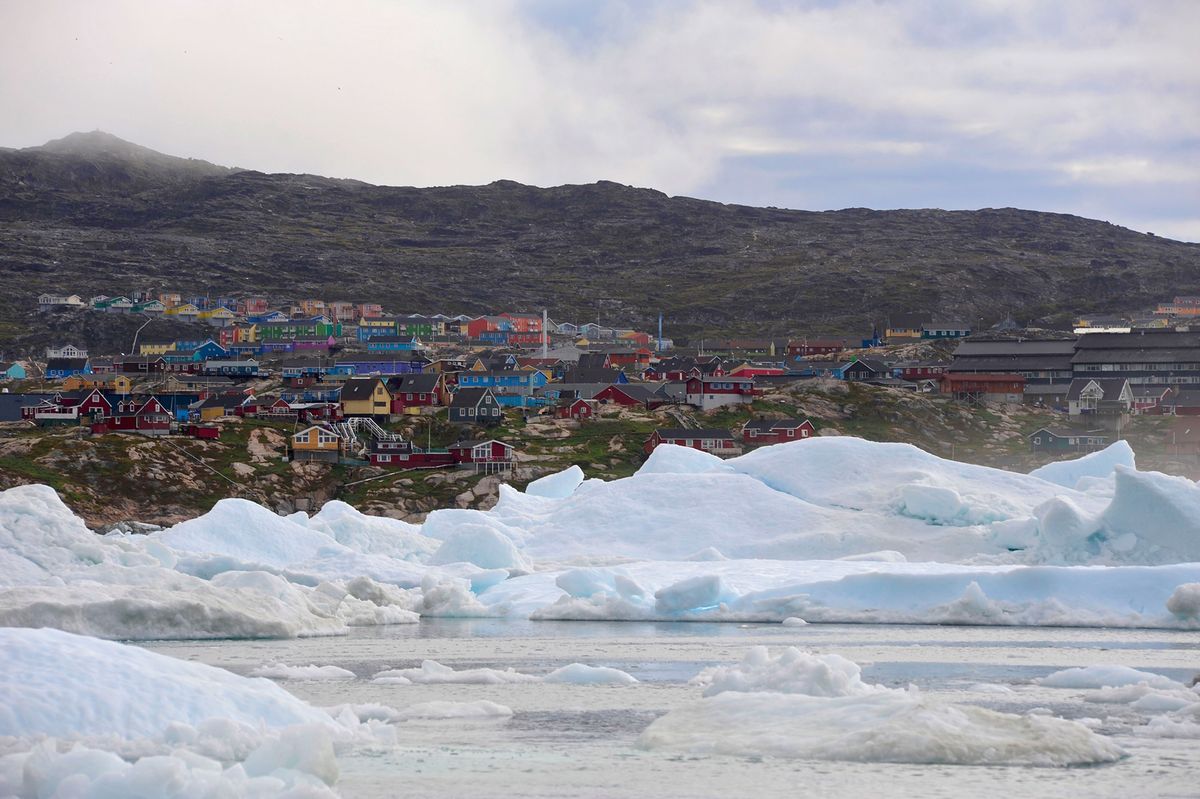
(826, 529)
(799, 705)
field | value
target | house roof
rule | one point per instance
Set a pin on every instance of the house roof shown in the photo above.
(463, 444)
(1070, 433)
(680, 432)
(1111, 386)
(770, 425)
(635, 391)
(581, 374)
(359, 388)
(870, 364)
(425, 383)
(1186, 399)
(468, 397)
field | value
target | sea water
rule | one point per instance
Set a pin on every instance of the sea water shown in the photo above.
(581, 740)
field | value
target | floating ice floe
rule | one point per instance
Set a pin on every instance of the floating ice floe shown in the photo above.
(799, 705)
(282, 671)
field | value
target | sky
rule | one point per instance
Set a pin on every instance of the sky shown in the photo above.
(1090, 107)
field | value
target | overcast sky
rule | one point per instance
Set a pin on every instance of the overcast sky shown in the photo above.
(1088, 107)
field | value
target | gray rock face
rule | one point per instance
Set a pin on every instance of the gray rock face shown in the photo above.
(92, 214)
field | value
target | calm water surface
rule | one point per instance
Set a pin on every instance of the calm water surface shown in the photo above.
(579, 741)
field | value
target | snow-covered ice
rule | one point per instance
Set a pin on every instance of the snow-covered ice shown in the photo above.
(824, 530)
(800, 705)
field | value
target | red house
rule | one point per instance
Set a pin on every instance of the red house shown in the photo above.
(397, 453)
(984, 387)
(481, 452)
(706, 393)
(149, 417)
(776, 431)
(638, 358)
(718, 442)
(580, 409)
(752, 370)
(629, 395)
(417, 391)
(525, 339)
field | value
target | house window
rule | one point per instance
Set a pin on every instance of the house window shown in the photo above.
(791, 433)
(470, 411)
(326, 438)
(495, 411)
(1037, 439)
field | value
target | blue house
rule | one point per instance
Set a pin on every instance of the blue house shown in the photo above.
(12, 371)
(509, 388)
(381, 364)
(268, 318)
(392, 344)
(210, 350)
(61, 368)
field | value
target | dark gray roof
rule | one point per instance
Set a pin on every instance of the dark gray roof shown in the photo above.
(65, 364)
(420, 383)
(679, 432)
(1186, 399)
(1015, 347)
(636, 391)
(359, 388)
(11, 404)
(588, 374)
(1111, 386)
(768, 425)
(468, 397)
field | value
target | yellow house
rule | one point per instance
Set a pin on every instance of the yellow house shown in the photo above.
(118, 384)
(185, 309)
(156, 347)
(218, 317)
(366, 396)
(245, 334)
(905, 326)
(316, 443)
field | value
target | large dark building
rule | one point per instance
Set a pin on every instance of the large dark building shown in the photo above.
(1044, 363)
(1144, 357)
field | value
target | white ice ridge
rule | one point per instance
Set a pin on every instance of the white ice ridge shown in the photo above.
(69, 704)
(827, 529)
(800, 705)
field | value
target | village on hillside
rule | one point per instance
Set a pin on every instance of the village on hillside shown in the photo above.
(348, 384)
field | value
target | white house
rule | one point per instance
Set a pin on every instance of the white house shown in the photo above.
(46, 301)
(66, 351)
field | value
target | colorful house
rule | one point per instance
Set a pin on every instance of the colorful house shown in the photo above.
(707, 393)
(776, 431)
(111, 383)
(410, 393)
(59, 368)
(12, 370)
(366, 396)
(319, 442)
(155, 347)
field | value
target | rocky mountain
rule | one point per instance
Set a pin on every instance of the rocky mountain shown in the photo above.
(91, 213)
